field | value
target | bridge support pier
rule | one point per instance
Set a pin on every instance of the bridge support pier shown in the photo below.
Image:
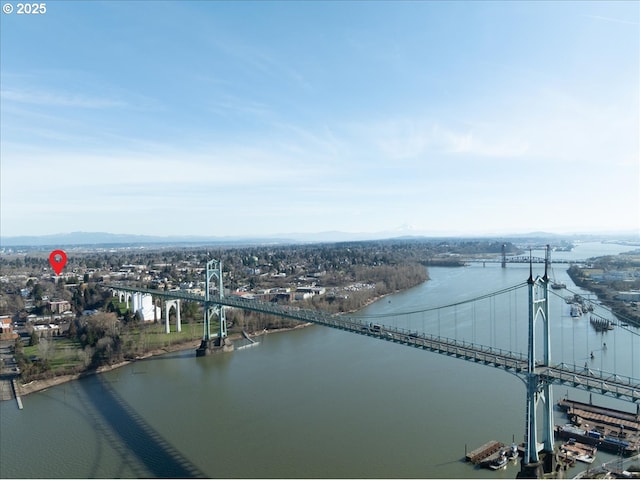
(547, 464)
(531, 470)
(214, 345)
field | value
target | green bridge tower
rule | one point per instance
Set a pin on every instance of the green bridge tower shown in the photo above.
(538, 388)
(218, 342)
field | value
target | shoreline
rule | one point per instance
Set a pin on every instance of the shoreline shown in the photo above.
(620, 310)
(40, 385)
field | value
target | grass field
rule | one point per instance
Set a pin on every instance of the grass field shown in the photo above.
(61, 352)
(64, 354)
(153, 336)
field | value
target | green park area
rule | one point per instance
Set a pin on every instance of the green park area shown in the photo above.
(45, 357)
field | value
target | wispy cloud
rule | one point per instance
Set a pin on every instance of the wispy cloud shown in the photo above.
(257, 60)
(232, 105)
(409, 138)
(613, 20)
(59, 99)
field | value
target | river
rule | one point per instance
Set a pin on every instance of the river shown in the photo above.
(316, 402)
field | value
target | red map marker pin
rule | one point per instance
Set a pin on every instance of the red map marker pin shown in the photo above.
(58, 259)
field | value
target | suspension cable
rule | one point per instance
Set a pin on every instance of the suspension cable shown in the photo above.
(431, 309)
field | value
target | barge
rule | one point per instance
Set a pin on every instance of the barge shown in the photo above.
(568, 406)
(608, 443)
(480, 454)
(578, 451)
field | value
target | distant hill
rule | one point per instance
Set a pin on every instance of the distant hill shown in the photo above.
(102, 238)
(108, 239)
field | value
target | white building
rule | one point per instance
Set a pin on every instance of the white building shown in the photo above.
(142, 305)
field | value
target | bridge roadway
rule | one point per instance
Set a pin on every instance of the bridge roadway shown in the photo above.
(625, 388)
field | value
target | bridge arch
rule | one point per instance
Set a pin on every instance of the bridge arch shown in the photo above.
(123, 297)
(168, 305)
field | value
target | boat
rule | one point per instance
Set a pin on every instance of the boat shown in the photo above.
(586, 457)
(512, 453)
(500, 462)
(579, 451)
(558, 286)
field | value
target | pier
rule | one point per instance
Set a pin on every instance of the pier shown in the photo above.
(482, 453)
(15, 392)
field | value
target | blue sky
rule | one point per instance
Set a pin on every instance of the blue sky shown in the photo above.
(258, 118)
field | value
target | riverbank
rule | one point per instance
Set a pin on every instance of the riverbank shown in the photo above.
(627, 312)
(40, 385)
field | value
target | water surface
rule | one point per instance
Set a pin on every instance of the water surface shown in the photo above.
(313, 402)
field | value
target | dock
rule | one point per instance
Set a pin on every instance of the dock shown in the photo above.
(6, 389)
(612, 430)
(480, 454)
(15, 391)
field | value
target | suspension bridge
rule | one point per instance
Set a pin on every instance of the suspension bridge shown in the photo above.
(535, 367)
(505, 259)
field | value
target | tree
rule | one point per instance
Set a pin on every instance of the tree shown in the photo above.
(72, 332)
(37, 292)
(190, 310)
(18, 348)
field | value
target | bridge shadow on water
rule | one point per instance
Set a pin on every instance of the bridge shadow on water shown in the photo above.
(137, 437)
